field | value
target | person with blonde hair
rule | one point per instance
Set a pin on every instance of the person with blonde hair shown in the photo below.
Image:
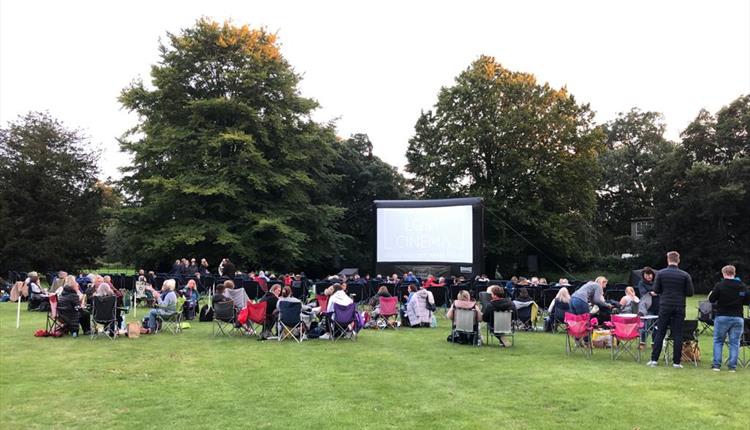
(590, 293)
(463, 301)
(167, 305)
(629, 302)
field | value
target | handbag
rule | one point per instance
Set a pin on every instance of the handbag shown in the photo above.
(430, 306)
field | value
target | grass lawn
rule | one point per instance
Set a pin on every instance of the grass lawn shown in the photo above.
(407, 379)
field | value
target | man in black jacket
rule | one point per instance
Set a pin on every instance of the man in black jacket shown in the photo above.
(729, 295)
(672, 285)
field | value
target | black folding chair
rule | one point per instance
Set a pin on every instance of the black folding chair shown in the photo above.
(104, 313)
(225, 319)
(290, 324)
(690, 336)
(706, 312)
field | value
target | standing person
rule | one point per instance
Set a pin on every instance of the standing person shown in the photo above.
(673, 285)
(229, 269)
(590, 292)
(729, 295)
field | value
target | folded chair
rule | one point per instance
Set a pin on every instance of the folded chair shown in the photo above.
(290, 324)
(225, 319)
(502, 326)
(342, 321)
(388, 308)
(744, 358)
(706, 317)
(54, 322)
(626, 333)
(690, 346)
(465, 323)
(104, 312)
(577, 329)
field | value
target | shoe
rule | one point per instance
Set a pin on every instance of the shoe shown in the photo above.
(716, 369)
(325, 336)
(75, 334)
(732, 370)
(652, 363)
(677, 366)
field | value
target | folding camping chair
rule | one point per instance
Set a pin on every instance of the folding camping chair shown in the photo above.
(104, 312)
(54, 322)
(626, 332)
(290, 323)
(387, 308)
(744, 358)
(691, 351)
(526, 317)
(342, 321)
(502, 326)
(225, 319)
(253, 317)
(577, 328)
(465, 323)
(239, 297)
(172, 322)
(706, 317)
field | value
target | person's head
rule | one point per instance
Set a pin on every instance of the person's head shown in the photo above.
(534, 281)
(514, 279)
(108, 279)
(141, 272)
(61, 274)
(441, 280)
(394, 277)
(563, 281)
(191, 284)
(602, 281)
(169, 285)
(329, 291)
(70, 281)
(464, 295)
(275, 290)
(286, 292)
(673, 258)
(204, 262)
(563, 295)
(220, 289)
(177, 262)
(648, 274)
(542, 281)
(497, 292)
(192, 261)
(103, 290)
(630, 291)
(33, 276)
(523, 293)
(228, 284)
(728, 272)
(411, 288)
(383, 290)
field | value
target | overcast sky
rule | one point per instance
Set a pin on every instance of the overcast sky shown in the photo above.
(375, 65)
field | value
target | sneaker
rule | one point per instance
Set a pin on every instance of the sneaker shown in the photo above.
(716, 369)
(652, 363)
(75, 334)
(677, 366)
(325, 336)
(732, 370)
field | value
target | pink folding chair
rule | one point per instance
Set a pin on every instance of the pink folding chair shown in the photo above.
(388, 308)
(578, 328)
(626, 336)
(54, 323)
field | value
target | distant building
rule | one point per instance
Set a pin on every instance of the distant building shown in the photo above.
(639, 227)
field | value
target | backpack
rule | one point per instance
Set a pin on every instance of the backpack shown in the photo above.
(207, 314)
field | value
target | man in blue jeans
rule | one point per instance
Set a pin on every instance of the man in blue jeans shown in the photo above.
(729, 295)
(673, 285)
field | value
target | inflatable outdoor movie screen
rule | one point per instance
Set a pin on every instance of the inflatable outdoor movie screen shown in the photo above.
(437, 237)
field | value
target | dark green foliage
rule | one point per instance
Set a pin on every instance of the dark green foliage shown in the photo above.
(226, 160)
(50, 199)
(529, 150)
(635, 144)
(364, 178)
(702, 198)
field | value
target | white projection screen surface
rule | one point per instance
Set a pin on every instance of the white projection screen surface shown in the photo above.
(425, 234)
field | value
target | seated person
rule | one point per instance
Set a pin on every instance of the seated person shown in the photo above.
(69, 306)
(38, 299)
(463, 301)
(191, 300)
(418, 308)
(498, 303)
(219, 295)
(375, 301)
(557, 309)
(629, 302)
(339, 297)
(288, 296)
(166, 302)
(523, 304)
(271, 298)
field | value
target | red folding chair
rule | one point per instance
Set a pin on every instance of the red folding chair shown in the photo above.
(577, 329)
(626, 336)
(253, 317)
(388, 308)
(54, 323)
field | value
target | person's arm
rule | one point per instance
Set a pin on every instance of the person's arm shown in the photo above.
(713, 296)
(449, 314)
(599, 297)
(689, 290)
(552, 307)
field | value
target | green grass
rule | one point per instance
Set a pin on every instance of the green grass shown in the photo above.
(405, 379)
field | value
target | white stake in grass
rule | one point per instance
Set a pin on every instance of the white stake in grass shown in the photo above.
(18, 313)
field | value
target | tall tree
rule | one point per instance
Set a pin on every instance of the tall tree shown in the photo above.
(635, 143)
(702, 200)
(364, 178)
(226, 159)
(50, 201)
(528, 149)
